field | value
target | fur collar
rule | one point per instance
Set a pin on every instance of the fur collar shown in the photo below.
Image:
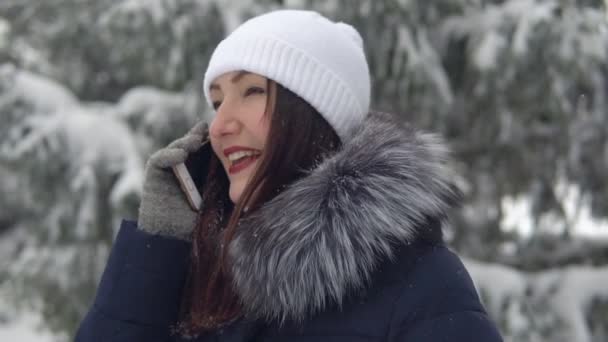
(322, 237)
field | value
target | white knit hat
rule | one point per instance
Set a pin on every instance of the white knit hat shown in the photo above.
(321, 61)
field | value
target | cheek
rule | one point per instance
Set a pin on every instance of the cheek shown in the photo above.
(261, 134)
(258, 123)
(214, 137)
(260, 127)
(216, 148)
(213, 129)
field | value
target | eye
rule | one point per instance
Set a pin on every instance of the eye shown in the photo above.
(216, 104)
(254, 90)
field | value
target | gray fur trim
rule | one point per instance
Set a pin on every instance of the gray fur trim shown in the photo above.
(323, 236)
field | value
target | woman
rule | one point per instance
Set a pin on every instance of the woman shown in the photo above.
(320, 222)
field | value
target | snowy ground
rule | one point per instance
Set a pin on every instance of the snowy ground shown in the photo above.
(22, 326)
(25, 328)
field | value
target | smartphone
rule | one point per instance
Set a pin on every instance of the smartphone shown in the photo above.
(192, 173)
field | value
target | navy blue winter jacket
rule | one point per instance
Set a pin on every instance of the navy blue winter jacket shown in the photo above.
(352, 252)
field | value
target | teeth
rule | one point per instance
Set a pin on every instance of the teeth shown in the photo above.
(240, 154)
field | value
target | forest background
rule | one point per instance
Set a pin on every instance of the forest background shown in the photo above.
(518, 89)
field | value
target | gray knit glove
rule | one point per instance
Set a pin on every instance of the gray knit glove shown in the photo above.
(164, 208)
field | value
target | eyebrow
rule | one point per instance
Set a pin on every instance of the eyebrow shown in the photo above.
(234, 79)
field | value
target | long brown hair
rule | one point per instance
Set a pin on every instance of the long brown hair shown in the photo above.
(298, 139)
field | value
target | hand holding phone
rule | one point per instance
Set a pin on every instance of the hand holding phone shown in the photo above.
(192, 173)
(162, 208)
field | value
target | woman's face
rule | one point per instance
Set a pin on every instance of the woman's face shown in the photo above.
(240, 127)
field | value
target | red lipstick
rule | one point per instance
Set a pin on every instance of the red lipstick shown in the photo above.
(242, 163)
(233, 149)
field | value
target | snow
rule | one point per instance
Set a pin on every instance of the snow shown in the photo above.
(155, 113)
(423, 58)
(113, 139)
(97, 144)
(438, 76)
(487, 27)
(25, 329)
(567, 293)
(152, 100)
(5, 28)
(93, 136)
(490, 47)
(88, 159)
(576, 288)
(296, 4)
(21, 326)
(234, 12)
(517, 214)
(502, 282)
(94, 143)
(45, 94)
(136, 10)
(595, 43)
(529, 13)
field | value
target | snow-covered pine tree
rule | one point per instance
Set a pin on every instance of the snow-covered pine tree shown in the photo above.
(517, 87)
(100, 49)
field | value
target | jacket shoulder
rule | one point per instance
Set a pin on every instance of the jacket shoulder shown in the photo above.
(437, 296)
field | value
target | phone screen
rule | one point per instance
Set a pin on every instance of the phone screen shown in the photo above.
(198, 164)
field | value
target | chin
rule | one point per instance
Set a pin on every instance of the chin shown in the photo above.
(235, 193)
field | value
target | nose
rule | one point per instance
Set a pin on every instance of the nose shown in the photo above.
(224, 123)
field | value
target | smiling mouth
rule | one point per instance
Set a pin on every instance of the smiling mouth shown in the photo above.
(241, 160)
